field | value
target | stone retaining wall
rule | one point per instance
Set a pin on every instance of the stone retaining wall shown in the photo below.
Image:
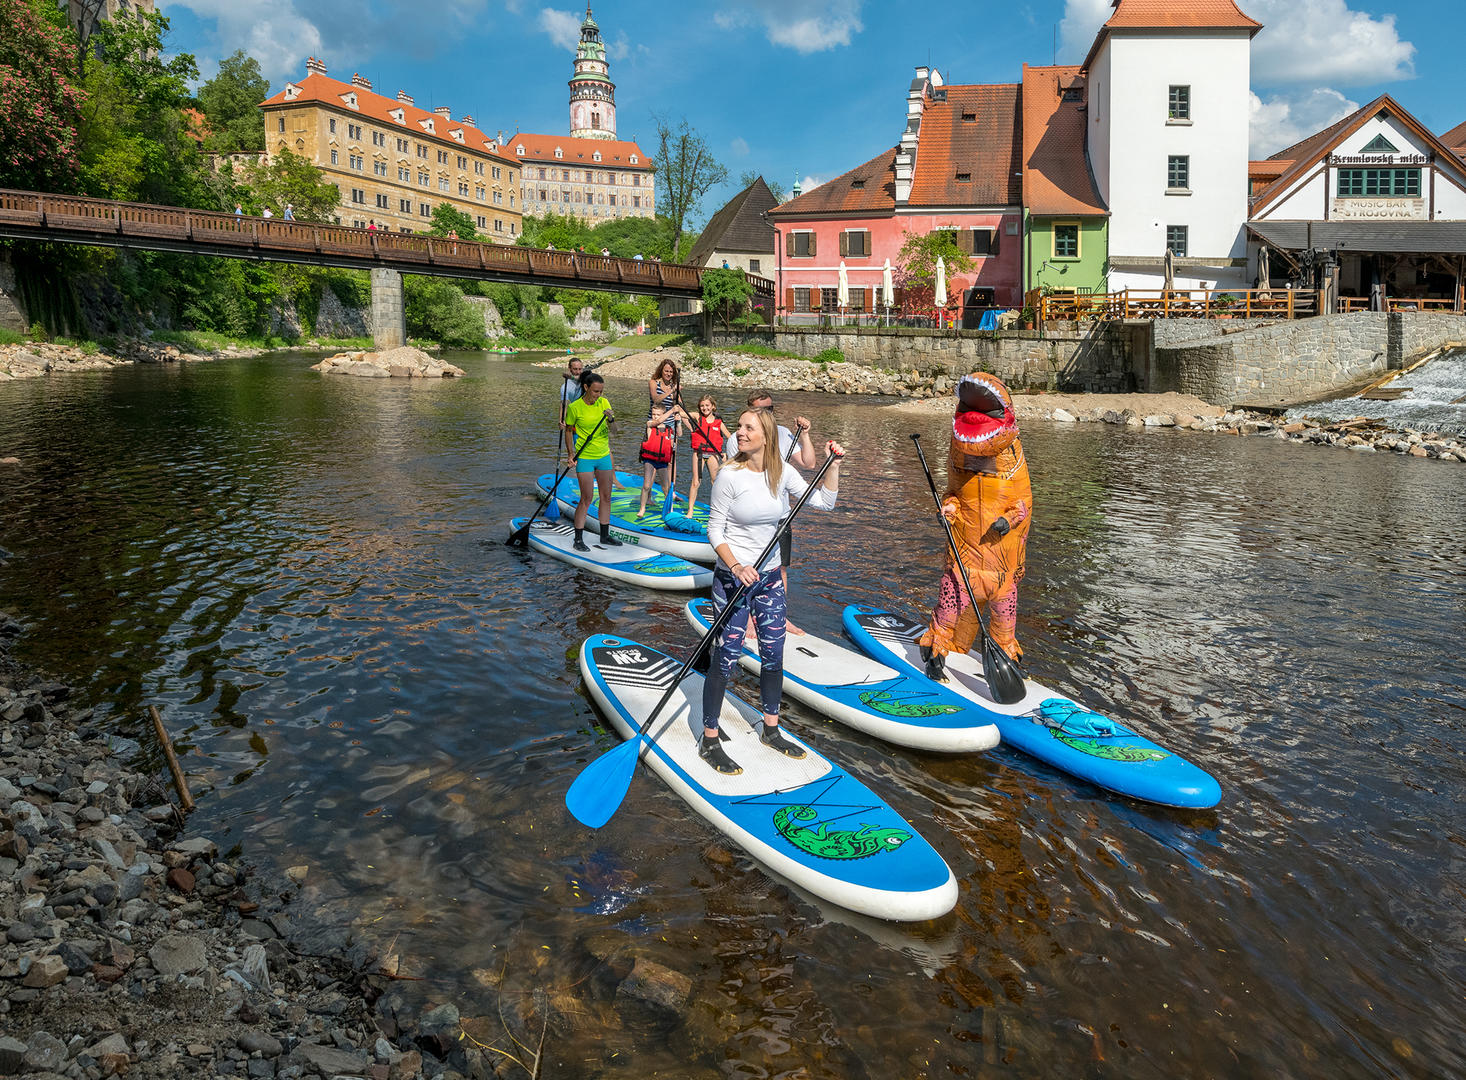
(1099, 358)
(1283, 363)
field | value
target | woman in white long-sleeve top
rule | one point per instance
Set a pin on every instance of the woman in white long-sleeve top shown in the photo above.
(749, 498)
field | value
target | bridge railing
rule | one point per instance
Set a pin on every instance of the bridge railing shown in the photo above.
(108, 220)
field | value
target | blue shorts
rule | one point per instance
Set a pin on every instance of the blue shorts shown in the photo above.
(600, 464)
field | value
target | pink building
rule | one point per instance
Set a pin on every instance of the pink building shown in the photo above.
(958, 167)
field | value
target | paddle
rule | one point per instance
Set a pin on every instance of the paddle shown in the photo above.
(520, 536)
(1002, 674)
(601, 786)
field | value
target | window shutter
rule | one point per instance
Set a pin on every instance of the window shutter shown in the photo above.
(867, 242)
(844, 243)
(811, 245)
(789, 299)
(993, 241)
(789, 245)
(964, 241)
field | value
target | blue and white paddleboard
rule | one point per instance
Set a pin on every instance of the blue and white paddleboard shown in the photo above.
(650, 531)
(806, 819)
(1051, 727)
(651, 569)
(867, 695)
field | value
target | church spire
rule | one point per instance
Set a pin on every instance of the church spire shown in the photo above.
(592, 93)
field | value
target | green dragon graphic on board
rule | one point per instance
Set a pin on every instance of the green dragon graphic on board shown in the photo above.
(825, 843)
(1109, 752)
(907, 707)
(656, 566)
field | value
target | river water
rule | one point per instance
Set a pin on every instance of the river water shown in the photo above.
(308, 576)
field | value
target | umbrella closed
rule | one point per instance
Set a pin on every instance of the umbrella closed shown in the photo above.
(888, 289)
(1264, 268)
(941, 294)
(842, 289)
(1170, 270)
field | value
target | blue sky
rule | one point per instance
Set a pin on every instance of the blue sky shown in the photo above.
(806, 88)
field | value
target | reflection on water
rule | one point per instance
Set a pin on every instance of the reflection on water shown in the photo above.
(308, 575)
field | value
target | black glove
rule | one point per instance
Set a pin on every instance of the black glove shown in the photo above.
(1000, 527)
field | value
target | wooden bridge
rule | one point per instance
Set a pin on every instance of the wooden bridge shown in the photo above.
(68, 219)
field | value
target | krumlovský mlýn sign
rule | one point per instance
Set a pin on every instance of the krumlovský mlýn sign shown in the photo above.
(1378, 159)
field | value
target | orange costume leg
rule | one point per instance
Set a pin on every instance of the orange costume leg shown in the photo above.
(1003, 622)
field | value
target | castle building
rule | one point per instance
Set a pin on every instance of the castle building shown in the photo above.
(85, 17)
(589, 174)
(393, 162)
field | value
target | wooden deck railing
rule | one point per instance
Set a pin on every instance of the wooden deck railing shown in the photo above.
(75, 219)
(1180, 304)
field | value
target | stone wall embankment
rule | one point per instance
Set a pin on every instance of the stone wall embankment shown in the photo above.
(1100, 358)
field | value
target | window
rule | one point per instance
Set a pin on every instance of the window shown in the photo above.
(478, 168)
(984, 242)
(282, 123)
(498, 173)
(542, 194)
(565, 176)
(542, 174)
(462, 162)
(480, 194)
(1066, 241)
(611, 179)
(422, 179)
(422, 151)
(405, 175)
(402, 146)
(498, 224)
(753, 266)
(353, 131)
(801, 245)
(801, 299)
(855, 243)
(335, 158)
(1401, 183)
(636, 200)
(331, 124)
(857, 299)
(482, 221)
(378, 139)
(404, 205)
(636, 180)
(358, 162)
(1377, 145)
(382, 202)
(1176, 236)
(442, 183)
(1178, 103)
(424, 210)
(499, 198)
(442, 157)
(358, 196)
(1178, 173)
(969, 118)
(463, 189)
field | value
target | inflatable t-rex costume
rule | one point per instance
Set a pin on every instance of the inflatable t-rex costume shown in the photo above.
(990, 503)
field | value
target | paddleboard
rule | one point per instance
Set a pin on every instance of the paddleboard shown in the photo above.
(806, 819)
(867, 695)
(650, 531)
(650, 569)
(1057, 730)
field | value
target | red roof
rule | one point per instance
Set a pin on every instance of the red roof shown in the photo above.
(866, 189)
(984, 148)
(541, 149)
(1270, 169)
(1456, 138)
(1161, 14)
(1056, 176)
(316, 87)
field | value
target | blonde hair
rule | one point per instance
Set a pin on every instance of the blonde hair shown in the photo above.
(709, 399)
(773, 460)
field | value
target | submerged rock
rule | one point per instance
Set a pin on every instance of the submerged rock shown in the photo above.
(405, 362)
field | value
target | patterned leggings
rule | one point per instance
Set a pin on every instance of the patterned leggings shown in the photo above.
(770, 609)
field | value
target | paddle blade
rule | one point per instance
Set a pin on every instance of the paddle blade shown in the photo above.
(1002, 674)
(552, 509)
(601, 786)
(519, 537)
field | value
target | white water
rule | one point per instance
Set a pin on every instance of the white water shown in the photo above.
(1434, 402)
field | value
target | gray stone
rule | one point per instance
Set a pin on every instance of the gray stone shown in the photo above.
(198, 846)
(44, 1052)
(108, 853)
(130, 886)
(12, 1055)
(178, 954)
(656, 989)
(112, 1044)
(1063, 416)
(261, 1042)
(260, 1069)
(328, 1061)
(46, 971)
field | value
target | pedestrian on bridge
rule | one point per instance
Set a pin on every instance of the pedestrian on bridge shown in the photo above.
(289, 214)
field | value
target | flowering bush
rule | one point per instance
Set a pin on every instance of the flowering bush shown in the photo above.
(41, 107)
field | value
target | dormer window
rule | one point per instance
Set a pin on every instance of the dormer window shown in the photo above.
(398, 115)
(597, 155)
(964, 178)
(457, 135)
(969, 118)
(350, 99)
(291, 91)
(559, 153)
(857, 184)
(519, 150)
(633, 159)
(427, 125)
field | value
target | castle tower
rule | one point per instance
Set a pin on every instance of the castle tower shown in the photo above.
(592, 93)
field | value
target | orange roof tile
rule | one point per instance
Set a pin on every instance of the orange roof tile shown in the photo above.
(541, 149)
(1056, 176)
(866, 189)
(1197, 14)
(1456, 138)
(1269, 169)
(321, 89)
(985, 148)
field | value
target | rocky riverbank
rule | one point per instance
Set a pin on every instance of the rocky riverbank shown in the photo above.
(36, 358)
(701, 368)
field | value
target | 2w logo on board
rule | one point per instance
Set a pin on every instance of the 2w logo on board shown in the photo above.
(628, 657)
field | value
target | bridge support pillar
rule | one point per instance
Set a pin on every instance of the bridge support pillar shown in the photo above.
(389, 322)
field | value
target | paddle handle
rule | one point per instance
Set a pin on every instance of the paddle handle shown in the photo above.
(721, 621)
(951, 540)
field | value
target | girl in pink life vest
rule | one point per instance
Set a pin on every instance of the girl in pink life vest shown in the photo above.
(656, 450)
(710, 442)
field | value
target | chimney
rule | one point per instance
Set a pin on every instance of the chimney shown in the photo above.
(404, 97)
(445, 112)
(314, 65)
(361, 81)
(467, 120)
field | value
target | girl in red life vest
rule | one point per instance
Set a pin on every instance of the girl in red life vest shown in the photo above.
(656, 449)
(710, 437)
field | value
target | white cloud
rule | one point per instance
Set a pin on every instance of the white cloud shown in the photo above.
(806, 26)
(1302, 41)
(739, 146)
(272, 31)
(809, 183)
(562, 26)
(1284, 119)
(1317, 41)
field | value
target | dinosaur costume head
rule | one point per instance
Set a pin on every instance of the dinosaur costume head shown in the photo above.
(985, 424)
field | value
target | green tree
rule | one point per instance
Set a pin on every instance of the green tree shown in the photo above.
(627, 237)
(40, 105)
(915, 270)
(293, 180)
(725, 293)
(686, 171)
(447, 218)
(748, 176)
(230, 103)
(562, 232)
(435, 309)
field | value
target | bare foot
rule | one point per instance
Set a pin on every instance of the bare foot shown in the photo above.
(790, 628)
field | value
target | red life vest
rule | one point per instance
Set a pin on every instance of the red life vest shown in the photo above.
(657, 447)
(710, 428)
